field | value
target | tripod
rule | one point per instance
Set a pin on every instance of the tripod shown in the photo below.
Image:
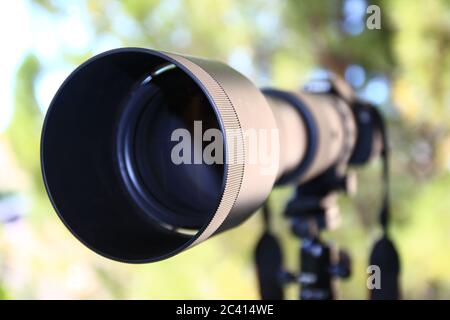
(312, 210)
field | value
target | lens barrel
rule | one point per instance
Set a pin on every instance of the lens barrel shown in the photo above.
(108, 141)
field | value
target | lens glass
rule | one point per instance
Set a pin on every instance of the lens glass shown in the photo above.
(172, 140)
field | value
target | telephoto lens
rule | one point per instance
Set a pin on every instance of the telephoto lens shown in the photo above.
(145, 153)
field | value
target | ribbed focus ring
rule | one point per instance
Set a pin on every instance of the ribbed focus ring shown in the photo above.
(234, 144)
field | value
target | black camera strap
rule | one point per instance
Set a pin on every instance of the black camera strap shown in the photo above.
(384, 255)
(268, 260)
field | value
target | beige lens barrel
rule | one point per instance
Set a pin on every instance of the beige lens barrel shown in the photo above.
(85, 149)
(317, 131)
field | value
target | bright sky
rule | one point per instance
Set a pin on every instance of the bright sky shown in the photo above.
(15, 37)
(25, 28)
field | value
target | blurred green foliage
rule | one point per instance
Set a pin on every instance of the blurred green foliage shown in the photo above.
(24, 130)
(285, 42)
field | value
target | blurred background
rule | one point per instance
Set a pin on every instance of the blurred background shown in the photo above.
(404, 68)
